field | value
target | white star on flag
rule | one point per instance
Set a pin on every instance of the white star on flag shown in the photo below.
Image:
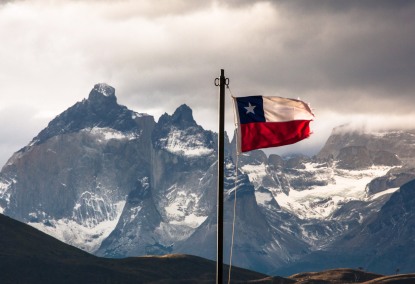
(250, 109)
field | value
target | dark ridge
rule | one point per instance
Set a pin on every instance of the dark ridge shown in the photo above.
(344, 275)
(30, 256)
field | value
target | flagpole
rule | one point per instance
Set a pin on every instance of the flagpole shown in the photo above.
(221, 82)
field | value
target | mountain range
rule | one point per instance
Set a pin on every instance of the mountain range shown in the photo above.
(116, 183)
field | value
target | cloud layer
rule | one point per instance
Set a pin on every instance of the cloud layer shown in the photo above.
(351, 60)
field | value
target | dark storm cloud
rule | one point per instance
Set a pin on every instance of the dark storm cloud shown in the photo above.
(358, 52)
(310, 6)
(362, 43)
(354, 55)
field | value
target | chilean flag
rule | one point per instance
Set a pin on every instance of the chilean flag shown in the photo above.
(271, 121)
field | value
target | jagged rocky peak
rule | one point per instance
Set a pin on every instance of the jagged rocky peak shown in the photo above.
(180, 135)
(296, 161)
(256, 157)
(275, 161)
(183, 113)
(182, 117)
(102, 92)
(104, 89)
(100, 110)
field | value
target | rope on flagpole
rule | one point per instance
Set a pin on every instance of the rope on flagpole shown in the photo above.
(235, 188)
(234, 219)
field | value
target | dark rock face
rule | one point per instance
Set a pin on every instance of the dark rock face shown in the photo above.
(397, 142)
(386, 242)
(275, 161)
(255, 157)
(134, 233)
(296, 162)
(385, 158)
(354, 157)
(359, 157)
(394, 178)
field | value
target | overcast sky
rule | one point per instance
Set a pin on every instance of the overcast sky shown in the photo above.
(353, 61)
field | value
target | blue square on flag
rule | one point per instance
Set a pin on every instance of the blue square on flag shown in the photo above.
(250, 109)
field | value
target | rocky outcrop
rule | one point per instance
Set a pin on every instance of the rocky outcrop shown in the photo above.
(393, 179)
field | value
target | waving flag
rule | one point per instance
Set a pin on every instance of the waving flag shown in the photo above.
(271, 121)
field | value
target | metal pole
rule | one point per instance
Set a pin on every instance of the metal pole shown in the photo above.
(221, 160)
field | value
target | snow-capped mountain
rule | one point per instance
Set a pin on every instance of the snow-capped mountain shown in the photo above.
(73, 178)
(116, 183)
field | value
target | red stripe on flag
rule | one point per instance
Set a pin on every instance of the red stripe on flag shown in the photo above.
(272, 134)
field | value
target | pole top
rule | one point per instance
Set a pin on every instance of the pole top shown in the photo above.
(222, 80)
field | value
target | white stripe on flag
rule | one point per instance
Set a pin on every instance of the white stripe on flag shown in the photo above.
(278, 109)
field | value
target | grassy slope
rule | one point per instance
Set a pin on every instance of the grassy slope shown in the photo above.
(30, 256)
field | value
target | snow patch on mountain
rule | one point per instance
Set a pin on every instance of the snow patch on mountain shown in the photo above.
(105, 134)
(263, 197)
(255, 172)
(138, 115)
(73, 233)
(170, 233)
(4, 186)
(191, 220)
(104, 89)
(4, 194)
(179, 209)
(181, 143)
(91, 209)
(319, 202)
(134, 211)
